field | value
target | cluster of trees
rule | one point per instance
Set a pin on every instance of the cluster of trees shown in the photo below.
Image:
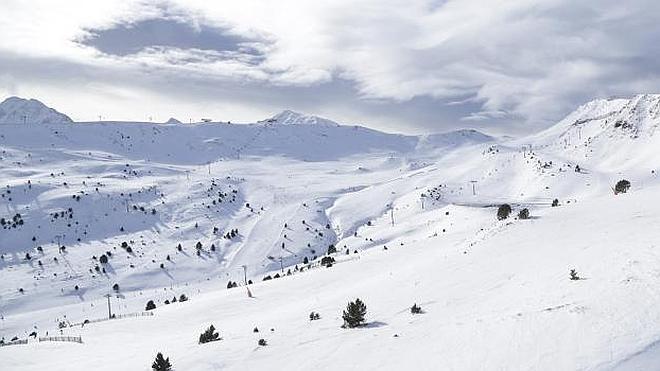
(504, 211)
(327, 261)
(14, 222)
(151, 305)
(354, 316)
(355, 313)
(231, 234)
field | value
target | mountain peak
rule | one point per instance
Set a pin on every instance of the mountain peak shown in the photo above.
(172, 121)
(289, 117)
(16, 110)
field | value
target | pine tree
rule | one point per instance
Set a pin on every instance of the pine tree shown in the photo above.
(209, 335)
(150, 305)
(574, 275)
(161, 363)
(416, 309)
(354, 314)
(621, 186)
(503, 211)
(523, 214)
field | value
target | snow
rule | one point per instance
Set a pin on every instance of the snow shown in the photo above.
(495, 294)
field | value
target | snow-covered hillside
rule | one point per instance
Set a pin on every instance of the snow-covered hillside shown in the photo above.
(161, 210)
(14, 110)
(615, 134)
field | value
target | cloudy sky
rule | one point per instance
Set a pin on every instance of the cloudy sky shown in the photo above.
(413, 66)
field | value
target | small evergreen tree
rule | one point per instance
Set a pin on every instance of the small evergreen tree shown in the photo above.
(183, 298)
(574, 275)
(555, 202)
(354, 314)
(150, 305)
(314, 316)
(621, 186)
(503, 211)
(327, 261)
(523, 214)
(103, 259)
(161, 363)
(416, 309)
(262, 342)
(209, 335)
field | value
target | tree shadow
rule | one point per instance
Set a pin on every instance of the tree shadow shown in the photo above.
(375, 324)
(167, 274)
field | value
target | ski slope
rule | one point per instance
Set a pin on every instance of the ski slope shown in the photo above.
(412, 220)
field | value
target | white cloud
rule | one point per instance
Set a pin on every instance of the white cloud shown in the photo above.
(526, 60)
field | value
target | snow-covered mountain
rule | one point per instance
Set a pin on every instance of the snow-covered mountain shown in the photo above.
(164, 210)
(615, 134)
(172, 121)
(288, 117)
(15, 110)
(453, 139)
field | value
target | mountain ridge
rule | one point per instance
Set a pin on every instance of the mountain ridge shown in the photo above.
(16, 110)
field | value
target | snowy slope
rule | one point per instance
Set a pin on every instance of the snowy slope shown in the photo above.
(504, 302)
(412, 220)
(14, 110)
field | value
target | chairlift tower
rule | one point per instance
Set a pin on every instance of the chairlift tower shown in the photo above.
(474, 192)
(109, 309)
